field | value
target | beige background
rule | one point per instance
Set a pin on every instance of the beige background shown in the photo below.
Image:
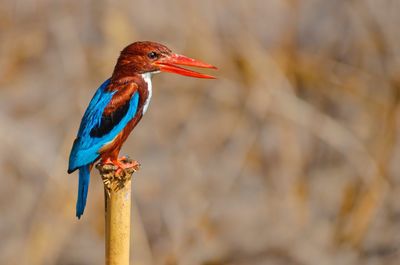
(290, 157)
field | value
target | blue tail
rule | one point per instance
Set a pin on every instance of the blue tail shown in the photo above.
(84, 177)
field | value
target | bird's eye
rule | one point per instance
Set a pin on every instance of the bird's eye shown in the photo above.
(152, 55)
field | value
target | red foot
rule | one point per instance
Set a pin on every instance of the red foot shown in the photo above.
(121, 163)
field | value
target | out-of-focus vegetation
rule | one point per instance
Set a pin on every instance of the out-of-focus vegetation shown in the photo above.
(290, 157)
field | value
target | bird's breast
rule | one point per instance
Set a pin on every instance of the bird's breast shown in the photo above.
(147, 79)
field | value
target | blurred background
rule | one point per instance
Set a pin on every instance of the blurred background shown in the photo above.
(290, 157)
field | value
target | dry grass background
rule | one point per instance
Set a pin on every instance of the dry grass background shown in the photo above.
(290, 157)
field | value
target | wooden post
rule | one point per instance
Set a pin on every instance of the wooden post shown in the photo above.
(117, 195)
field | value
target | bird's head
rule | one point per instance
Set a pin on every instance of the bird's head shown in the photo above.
(151, 57)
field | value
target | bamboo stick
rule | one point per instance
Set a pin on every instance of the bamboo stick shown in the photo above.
(117, 196)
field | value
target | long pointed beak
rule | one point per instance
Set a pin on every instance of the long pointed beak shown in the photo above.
(169, 64)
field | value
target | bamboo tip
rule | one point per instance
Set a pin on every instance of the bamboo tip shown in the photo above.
(114, 177)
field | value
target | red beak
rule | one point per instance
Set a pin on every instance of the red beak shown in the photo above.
(168, 64)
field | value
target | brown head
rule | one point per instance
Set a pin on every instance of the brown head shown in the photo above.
(151, 57)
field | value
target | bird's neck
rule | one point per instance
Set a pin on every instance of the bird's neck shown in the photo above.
(143, 82)
(125, 72)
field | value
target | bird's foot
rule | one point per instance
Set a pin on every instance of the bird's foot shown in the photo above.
(125, 163)
(115, 173)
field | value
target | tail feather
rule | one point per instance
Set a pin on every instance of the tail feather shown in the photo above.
(84, 178)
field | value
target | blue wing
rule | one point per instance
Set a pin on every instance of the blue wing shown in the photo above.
(96, 130)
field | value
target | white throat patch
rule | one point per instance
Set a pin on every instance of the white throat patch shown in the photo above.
(147, 79)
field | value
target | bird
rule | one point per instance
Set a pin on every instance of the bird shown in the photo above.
(119, 104)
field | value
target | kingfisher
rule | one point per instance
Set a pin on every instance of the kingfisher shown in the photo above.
(119, 104)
